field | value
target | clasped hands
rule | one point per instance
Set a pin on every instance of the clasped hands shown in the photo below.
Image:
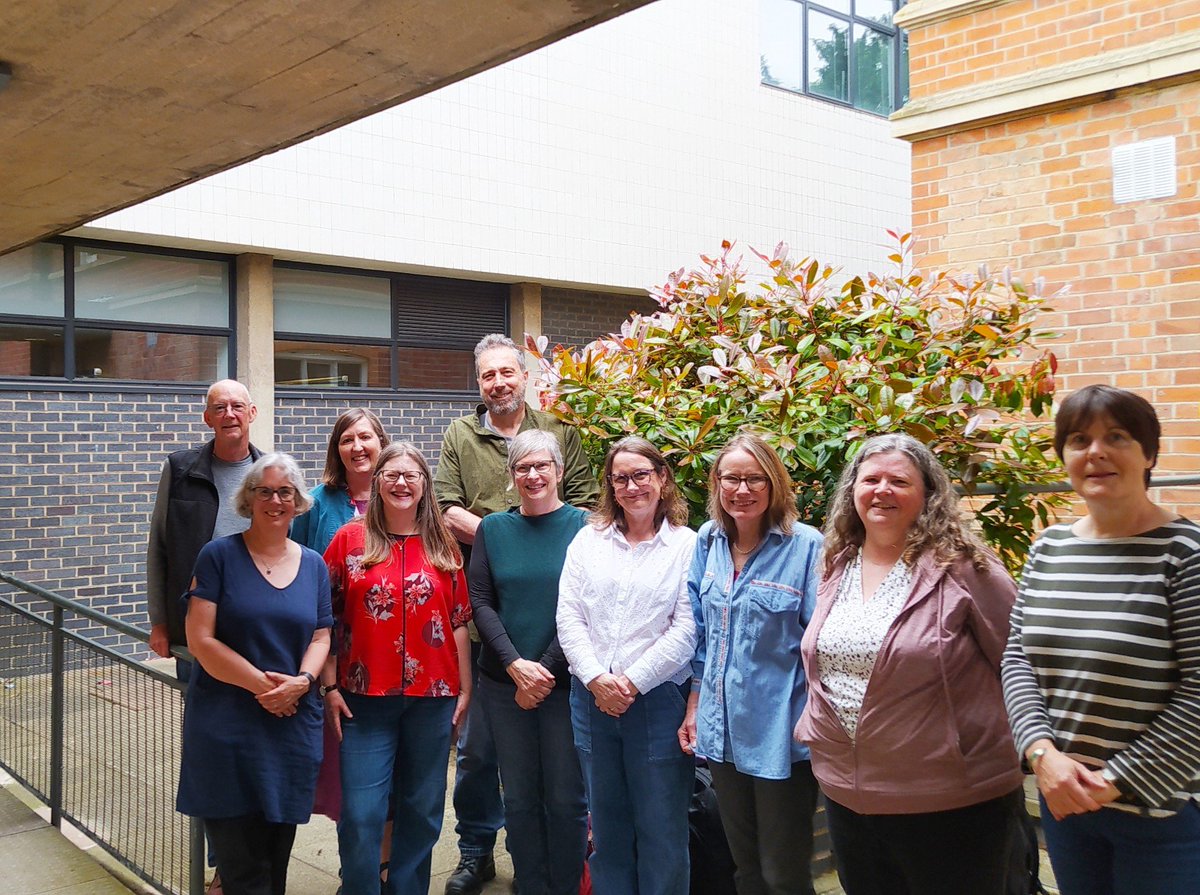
(534, 682)
(284, 694)
(1070, 787)
(614, 693)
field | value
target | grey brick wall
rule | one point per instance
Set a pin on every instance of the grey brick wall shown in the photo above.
(574, 317)
(78, 474)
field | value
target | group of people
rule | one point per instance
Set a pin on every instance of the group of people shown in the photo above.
(889, 663)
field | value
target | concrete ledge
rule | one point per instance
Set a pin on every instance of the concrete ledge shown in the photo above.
(922, 13)
(1170, 59)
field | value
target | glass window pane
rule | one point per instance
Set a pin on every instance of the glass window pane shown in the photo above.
(31, 281)
(330, 365)
(150, 356)
(311, 301)
(874, 88)
(437, 368)
(113, 284)
(781, 43)
(828, 59)
(874, 10)
(842, 6)
(31, 350)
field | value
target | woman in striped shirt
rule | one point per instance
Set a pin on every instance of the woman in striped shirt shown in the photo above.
(1102, 670)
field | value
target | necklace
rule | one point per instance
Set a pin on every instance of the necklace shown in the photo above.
(268, 566)
(739, 550)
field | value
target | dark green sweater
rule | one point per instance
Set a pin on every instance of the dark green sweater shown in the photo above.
(515, 566)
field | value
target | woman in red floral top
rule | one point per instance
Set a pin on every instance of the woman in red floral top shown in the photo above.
(403, 677)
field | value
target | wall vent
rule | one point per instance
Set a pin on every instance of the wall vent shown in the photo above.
(1144, 170)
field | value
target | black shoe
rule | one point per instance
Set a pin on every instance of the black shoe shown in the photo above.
(470, 875)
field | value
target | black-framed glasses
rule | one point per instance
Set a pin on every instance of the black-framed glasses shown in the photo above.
(286, 494)
(541, 467)
(639, 477)
(410, 476)
(219, 409)
(752, 482)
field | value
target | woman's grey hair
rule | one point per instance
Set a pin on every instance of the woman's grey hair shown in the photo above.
(243, 502)
(531, 441)
(498, 340)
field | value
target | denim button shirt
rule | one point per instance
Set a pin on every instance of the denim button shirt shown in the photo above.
(752, 685)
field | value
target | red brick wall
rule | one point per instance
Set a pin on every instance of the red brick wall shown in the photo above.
(1015, 38)
(1035, 194)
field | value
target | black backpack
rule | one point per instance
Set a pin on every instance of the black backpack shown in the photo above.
(1024, 864)
(712, 864)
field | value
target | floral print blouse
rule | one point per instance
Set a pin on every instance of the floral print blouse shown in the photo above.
(394, 621)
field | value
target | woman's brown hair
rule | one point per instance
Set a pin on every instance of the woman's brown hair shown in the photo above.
(440, 546)
(335, 471)
(781, 507)
(671, 505)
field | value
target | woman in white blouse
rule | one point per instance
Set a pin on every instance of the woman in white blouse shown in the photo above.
(625, 625)
(905, 719)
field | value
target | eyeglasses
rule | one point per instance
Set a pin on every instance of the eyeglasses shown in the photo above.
(220, 409)
(285, 494)
(638, 477)
(411, 476)
(752, 482)
(541, 467)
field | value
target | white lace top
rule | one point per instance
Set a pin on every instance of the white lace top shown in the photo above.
(852, 634)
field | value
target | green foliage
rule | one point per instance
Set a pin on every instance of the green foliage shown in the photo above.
(815, 368)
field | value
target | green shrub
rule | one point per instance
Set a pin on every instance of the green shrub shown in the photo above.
(816, 367)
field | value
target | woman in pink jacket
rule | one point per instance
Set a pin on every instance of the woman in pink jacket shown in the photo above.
(905, 717)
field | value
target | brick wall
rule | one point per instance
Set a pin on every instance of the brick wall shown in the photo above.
(1015, 38)
(78, 474)
(1035, 194)
(574, 317)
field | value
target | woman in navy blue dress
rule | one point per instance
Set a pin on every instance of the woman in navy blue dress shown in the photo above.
(258, 620)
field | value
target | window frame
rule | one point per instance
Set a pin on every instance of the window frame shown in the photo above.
(899, 42)
(69, 380)
(394, 341)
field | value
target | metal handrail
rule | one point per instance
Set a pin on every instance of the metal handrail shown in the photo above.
(56, 796)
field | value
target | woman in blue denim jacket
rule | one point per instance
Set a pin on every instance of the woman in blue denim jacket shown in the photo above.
(753, 587)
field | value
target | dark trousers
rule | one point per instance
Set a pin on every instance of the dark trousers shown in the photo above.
(769, 825)
(252, 854)
(963, 851)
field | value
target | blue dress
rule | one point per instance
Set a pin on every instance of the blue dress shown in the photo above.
(238, 758)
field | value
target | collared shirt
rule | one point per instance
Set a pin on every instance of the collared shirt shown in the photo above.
(624, 609)
(472, 470)
(747, 663)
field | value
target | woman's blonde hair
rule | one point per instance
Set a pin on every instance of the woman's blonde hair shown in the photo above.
(440, 546)
(781, 506)
(940, 528)
(670, 505)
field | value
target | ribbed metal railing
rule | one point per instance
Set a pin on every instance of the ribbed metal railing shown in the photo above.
(96, 735)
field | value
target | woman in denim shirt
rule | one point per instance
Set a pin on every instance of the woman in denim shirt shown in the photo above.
(753, 586)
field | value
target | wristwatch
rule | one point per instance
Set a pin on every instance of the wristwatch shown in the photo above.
(311, 680)
(326, 689)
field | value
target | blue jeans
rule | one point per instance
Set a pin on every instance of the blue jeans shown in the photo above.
(545, 813)
(397, 746)
(639, 785)
(477, 803)
(1110, 852)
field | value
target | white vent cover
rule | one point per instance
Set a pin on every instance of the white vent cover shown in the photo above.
(1144, 170)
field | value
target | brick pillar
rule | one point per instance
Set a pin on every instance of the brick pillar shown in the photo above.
(525, 303)
(256, 341)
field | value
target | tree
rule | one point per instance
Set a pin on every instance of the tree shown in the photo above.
(815, 367)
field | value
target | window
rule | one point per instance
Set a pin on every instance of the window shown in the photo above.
(94, 311)
(847, 51)
(359, 329)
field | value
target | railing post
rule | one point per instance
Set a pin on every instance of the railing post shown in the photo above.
(57, 700)
(196, 856)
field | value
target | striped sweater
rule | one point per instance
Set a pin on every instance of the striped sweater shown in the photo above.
(1103, 658)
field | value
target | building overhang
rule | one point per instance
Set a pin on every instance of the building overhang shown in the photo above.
(109, 104)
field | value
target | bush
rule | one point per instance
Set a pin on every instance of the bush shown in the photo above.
(816, 367)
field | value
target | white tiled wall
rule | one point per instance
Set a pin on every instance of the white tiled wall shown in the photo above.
(608, 159)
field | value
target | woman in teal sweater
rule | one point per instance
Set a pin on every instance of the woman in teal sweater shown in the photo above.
(516, 562)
